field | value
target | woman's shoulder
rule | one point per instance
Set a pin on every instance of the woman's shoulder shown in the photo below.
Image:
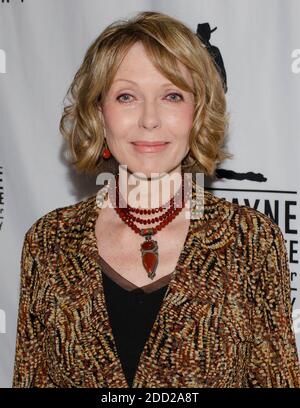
(250, 234)
(53, 223)
(247, 222)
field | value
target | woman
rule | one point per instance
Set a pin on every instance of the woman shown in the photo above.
(195, 298)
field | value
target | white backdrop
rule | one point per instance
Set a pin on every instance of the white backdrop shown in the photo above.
(42, 43)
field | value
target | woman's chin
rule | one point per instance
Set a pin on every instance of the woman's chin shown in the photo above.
(153, 173)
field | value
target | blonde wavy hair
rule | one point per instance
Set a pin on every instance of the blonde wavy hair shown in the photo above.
(166, 40)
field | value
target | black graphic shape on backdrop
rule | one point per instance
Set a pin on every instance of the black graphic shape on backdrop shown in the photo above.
(233, 175)
(203, 33)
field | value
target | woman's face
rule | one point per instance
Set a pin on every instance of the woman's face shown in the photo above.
(143, 106)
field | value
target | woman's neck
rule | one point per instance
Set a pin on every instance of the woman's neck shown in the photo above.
(140, 192)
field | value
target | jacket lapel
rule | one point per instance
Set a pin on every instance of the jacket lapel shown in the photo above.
(183, 323)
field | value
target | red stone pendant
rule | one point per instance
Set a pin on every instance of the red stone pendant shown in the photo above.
(149, 251)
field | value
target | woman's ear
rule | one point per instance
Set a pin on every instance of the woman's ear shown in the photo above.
(99, 104)
(99, 107)
(102, 119)
(100, 111)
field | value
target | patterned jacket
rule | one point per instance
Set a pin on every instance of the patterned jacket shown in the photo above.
(225, 320)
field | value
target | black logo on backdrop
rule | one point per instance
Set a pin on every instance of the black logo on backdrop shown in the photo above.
(233, 175)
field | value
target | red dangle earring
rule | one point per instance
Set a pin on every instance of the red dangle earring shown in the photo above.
(106, 152)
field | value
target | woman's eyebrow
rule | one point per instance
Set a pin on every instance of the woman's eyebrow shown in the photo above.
(135, 83)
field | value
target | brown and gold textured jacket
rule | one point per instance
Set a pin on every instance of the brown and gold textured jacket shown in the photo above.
(225, 320)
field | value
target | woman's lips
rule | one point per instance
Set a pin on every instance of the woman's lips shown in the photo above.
(149, 147)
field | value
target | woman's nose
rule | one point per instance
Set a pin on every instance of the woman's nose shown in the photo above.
(149, 116)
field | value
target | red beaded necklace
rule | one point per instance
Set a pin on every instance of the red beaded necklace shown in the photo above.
(149, 247)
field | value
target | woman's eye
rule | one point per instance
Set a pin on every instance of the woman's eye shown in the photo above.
(122, 100)
(178, 97)
(176, 94)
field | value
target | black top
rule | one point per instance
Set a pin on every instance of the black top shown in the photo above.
(132, 312)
